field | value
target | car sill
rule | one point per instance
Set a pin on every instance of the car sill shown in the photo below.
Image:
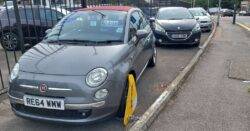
(139, 76)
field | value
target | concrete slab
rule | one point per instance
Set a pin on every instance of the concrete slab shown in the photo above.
(239, 69)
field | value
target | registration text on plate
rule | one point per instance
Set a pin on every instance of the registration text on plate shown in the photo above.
(179, 35)
(44, 102)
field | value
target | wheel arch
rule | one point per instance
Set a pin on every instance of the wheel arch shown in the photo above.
(133, 73)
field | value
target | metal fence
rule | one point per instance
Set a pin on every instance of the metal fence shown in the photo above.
(23, 23)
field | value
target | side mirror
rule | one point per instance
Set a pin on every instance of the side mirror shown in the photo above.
(141, 34)
(59, 18)
(27, 46)
(48, 31)
(197, 18)
(152, 19)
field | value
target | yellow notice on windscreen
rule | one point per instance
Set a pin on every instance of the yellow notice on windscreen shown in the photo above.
(131, 101)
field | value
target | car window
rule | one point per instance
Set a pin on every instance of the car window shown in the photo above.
(197, 12)
(27, 13)
(135, 20)
(174, 14)
(144, 24)
(97, 26)
(6, 13)
(134, 24)
(49, 15)
(24, 13)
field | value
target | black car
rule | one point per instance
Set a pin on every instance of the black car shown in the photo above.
(176, 25)
(227, 12)
(35, 21)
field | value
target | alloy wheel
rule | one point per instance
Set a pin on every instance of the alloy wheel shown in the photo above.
(9, 41)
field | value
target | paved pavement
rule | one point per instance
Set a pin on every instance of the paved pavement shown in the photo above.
(170, 61)
(244, 20)
(210, 99)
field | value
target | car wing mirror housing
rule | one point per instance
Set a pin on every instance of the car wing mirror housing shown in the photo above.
(48, 31)
(59, 18)
(27, 46)
(197, 18)
(152, 19)
(141, 34)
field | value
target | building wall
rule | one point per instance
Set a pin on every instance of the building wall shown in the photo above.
(245, 5)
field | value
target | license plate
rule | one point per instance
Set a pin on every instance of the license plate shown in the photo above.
(43, 102)
(179, 36)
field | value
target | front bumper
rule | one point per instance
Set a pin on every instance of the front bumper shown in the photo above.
(80, 104)
(206, 26)
(163, 38)
(67, 106)
(73, 113)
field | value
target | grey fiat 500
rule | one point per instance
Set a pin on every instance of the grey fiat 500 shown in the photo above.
(78, 73)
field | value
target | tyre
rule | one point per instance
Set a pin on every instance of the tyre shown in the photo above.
(157, 43)
(197, 44)
(153, 59)
(9, 41)
(122, 107)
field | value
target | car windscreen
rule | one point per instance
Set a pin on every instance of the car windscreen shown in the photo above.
(90, 26)
(197, 12)
(174, 14)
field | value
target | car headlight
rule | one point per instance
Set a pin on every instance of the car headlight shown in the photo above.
(14, 72)
(96, 77)
(197, 28)
(159, 28)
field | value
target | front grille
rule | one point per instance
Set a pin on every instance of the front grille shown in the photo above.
(204, 27)
(64, 114)
(203, 21)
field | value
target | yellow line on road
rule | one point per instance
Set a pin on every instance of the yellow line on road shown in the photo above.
(243, 26)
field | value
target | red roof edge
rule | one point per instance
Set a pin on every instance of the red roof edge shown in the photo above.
(116, 8)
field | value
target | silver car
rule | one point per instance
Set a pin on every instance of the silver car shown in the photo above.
(202, 17)
(78, 73)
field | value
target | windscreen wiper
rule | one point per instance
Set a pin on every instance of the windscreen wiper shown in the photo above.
(109, 41)
(103, 15)
(75, 41)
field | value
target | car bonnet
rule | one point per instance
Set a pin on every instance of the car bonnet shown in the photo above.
(56, 59)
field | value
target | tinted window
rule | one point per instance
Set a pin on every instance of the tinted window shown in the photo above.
(49, 15)
(144, 24)
(174, 14)
(26, 13)
(197, 12)
(135, 20)
(134, 24)
(91, 26)
(6, 13)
